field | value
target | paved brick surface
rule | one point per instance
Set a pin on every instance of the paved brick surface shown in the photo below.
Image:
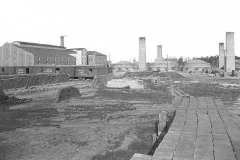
(202, 129)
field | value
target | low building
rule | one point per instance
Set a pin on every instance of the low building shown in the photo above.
(96, 58)
(162, 65)
(196, 65)
(124, 66)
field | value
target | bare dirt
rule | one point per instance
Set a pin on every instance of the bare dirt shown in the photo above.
(100, 125)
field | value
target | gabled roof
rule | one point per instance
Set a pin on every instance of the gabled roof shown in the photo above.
(48, 52)
(37, 45)
(95, 53)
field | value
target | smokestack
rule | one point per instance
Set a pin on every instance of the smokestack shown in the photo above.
(62, 41)
(230, 55)
(142, 54)
(159, 52)
(221, 56)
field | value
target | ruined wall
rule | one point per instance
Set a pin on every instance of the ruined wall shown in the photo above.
(31, 80)
(221, 55)
(230, 55)
(142, 54)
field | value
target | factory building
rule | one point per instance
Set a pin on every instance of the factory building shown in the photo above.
(31, 54)
(21, 53)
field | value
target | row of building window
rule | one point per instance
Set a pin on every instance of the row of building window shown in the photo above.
(55, 58)
(91, 59)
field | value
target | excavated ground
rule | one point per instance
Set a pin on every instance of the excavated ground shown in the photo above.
(101, 125)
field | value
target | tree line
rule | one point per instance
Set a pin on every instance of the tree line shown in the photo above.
(213, 60)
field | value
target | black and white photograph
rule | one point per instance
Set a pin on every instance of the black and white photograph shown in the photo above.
(120, 80)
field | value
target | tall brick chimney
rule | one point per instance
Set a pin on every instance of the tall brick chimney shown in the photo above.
(142, 54)
(62, 41)
(159, 52)
(221, 55)
(230, 55)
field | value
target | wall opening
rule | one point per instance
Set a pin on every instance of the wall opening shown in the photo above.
(3, 70)
(57, 70)
(27, 70)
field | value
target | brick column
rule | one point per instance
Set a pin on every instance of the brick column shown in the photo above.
(142, 54)
(230, 55)
(221, 55)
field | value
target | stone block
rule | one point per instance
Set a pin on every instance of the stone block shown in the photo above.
(203, 153)
(223, 152)
(138, 156)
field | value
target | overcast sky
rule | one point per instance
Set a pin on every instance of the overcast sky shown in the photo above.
(188, 28)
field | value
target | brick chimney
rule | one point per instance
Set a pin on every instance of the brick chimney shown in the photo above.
(62, 41)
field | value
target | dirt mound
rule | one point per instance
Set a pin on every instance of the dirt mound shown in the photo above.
(67, 93)
(6, 101)
(8, 82)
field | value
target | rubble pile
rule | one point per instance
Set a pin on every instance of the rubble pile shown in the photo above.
(8, 82)
(6, 101)
(144, 75)
(126, 83)
(101, 80)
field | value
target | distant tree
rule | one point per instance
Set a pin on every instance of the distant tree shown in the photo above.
(180, 62)
(213, 60)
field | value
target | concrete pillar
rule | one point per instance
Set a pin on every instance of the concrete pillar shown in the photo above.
(221, 55)
(230, 55)
(159, 52)
(142, 54)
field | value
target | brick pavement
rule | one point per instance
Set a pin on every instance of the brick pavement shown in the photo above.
(202, 129)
